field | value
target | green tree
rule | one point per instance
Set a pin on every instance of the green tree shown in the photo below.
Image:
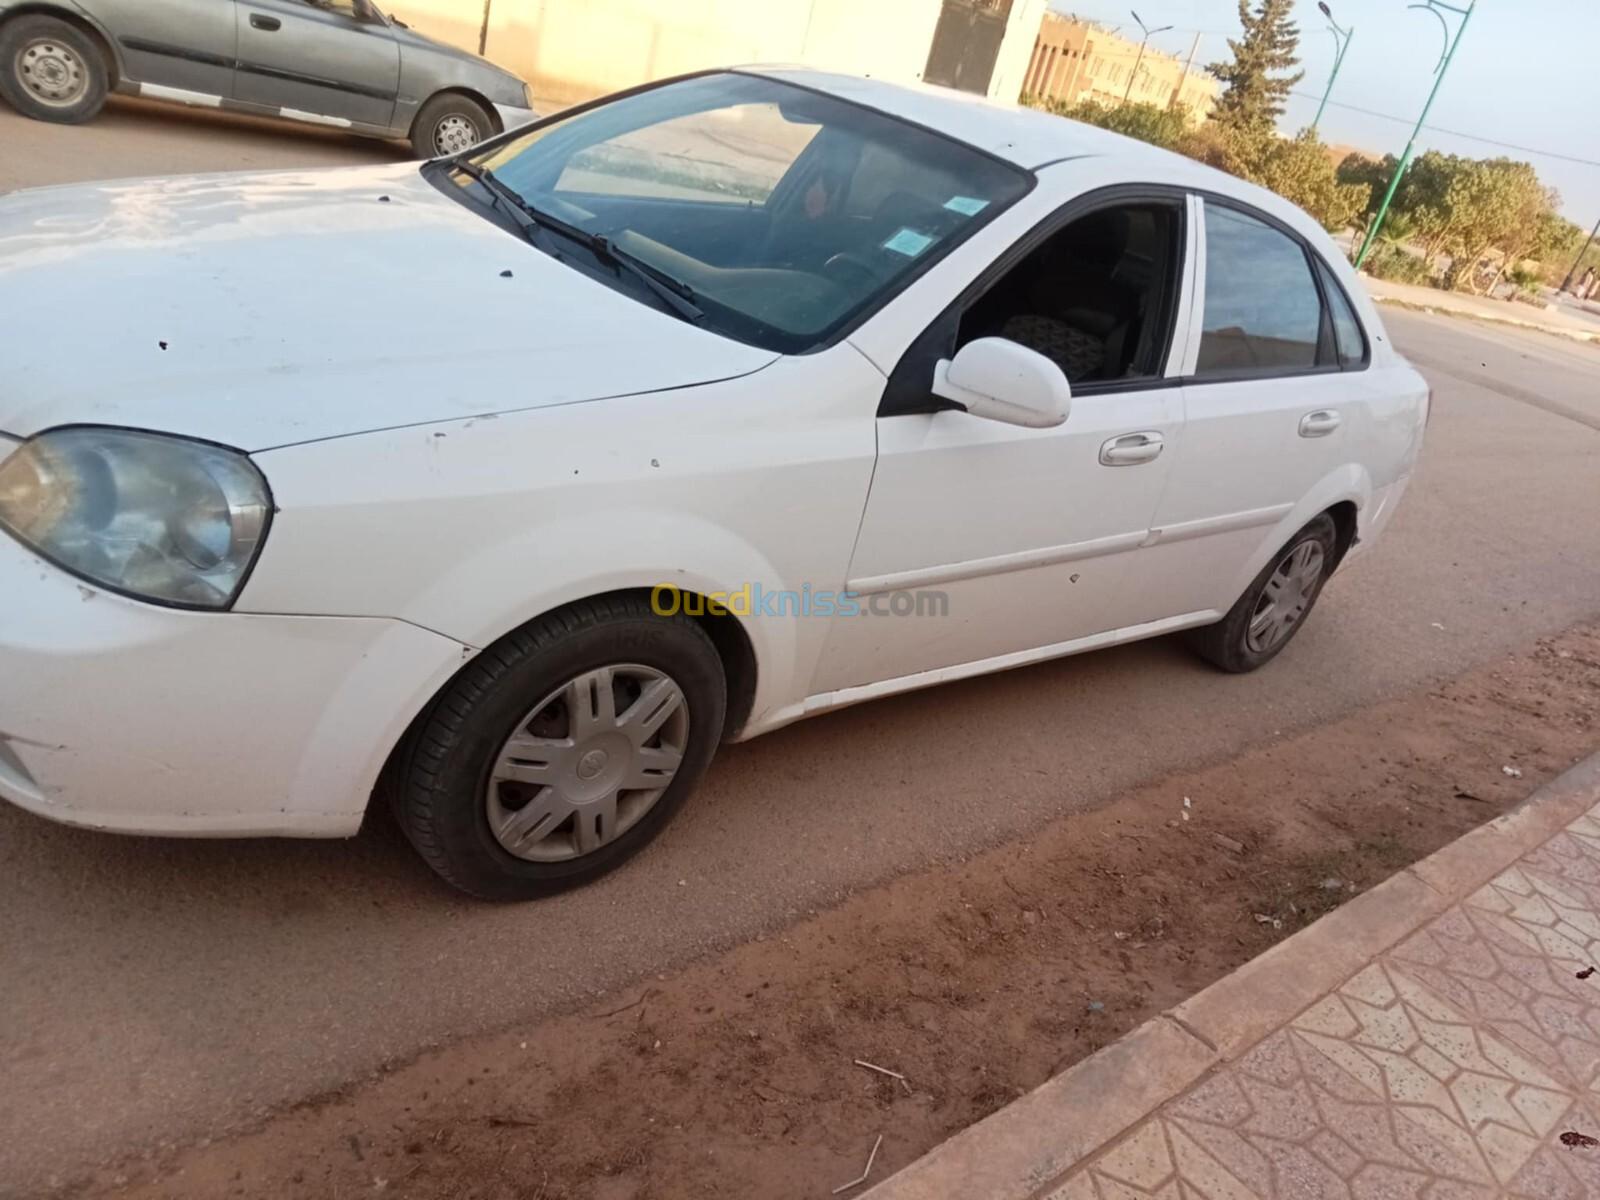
(1299, 169)
(1257, 82)
(1153, 123)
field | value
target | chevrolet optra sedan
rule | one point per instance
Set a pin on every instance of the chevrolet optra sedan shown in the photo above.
(506, 487)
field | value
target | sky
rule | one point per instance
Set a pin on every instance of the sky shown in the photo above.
(1525, 74)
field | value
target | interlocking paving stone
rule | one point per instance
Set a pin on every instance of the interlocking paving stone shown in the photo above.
(1446, 1069)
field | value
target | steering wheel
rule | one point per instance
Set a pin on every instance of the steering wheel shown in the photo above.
(846, 264)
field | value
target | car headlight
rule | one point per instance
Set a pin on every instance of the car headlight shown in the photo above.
(160, 518)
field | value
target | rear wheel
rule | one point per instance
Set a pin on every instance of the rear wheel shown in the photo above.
(449, 124)
(51, 70)
(562, 750)
(1275, 605)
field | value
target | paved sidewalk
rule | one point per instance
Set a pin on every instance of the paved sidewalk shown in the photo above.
(1437, 1038)
(1561, 321)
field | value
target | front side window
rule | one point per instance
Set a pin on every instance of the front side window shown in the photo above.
(782, 215)
(1263, 312)
(1096, 297)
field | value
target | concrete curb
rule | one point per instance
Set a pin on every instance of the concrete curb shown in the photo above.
(1561, 331)
(1019, 1152)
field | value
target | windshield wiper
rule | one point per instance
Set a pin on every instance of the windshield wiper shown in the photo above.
(501, 195)
(674, 293)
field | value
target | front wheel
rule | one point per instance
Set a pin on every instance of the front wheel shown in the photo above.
(1275, 605)
(51, 71)
(562, 750)
(450, 124)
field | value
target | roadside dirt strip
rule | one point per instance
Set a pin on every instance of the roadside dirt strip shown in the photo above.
(917, 1008)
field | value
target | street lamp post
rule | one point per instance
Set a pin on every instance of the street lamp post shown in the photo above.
(1148, 34)
(1342, 36)
(1566, 285)
(1451, 46)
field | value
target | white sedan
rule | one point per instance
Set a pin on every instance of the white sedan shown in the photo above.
(507, 487)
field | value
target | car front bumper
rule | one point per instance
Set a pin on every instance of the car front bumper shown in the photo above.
(134, 718)
(512, 117)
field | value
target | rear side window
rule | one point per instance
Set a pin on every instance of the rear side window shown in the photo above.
(1263, 313)
(1347, 332)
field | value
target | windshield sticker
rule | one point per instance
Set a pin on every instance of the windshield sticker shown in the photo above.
(908, 242)
(967, 206)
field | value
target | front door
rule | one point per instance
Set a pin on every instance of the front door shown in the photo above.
(966, 43)
(983, 540)
(317, 61)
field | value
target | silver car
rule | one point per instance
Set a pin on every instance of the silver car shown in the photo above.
(340, 63)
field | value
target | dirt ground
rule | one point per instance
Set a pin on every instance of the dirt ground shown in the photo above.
(974, 980)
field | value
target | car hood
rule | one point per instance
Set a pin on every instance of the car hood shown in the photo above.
(261, 310)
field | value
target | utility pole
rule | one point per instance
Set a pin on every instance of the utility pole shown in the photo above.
(1148, 34)
(1177, 93)
(1442, 70)
(1566, 285)
(1343, 37)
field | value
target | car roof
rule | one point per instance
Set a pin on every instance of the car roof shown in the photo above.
(1026, 137)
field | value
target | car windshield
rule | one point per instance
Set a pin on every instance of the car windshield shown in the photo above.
(781, 215)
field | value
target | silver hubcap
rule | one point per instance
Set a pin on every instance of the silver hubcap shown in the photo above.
(587, 763)
(455, 134)
(51, 73)
(1286, 598)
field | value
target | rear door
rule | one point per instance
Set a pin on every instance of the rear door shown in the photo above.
(1276, 400)
(317, 61)
(178, 45)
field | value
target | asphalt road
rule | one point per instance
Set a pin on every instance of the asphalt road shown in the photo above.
(157, 991)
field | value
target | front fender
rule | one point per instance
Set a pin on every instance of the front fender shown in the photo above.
(555, 563)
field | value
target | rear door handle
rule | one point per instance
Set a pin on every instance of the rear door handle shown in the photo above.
(1131, 449)
(1320, 423)
(262, 21)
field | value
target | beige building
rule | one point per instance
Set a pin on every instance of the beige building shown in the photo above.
(1076, 60)
(575, 49)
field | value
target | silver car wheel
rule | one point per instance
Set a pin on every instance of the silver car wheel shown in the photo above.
(51, 73)
(455, 133)
(587, 763)
(1286, 598)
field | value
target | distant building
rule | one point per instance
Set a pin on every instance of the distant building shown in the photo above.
(1077, 60)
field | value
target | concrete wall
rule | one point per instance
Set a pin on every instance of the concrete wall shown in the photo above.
(1016, 51)
(575, 49)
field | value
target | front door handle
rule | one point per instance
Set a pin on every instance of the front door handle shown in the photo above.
(1320, 423)
(262, 21)
(1131, 449)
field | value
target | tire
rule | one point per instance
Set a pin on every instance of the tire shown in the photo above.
(447, 122)
(1252, 635)
(458, 778)
(51, 71)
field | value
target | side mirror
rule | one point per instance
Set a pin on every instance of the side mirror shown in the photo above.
(1001, 380)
